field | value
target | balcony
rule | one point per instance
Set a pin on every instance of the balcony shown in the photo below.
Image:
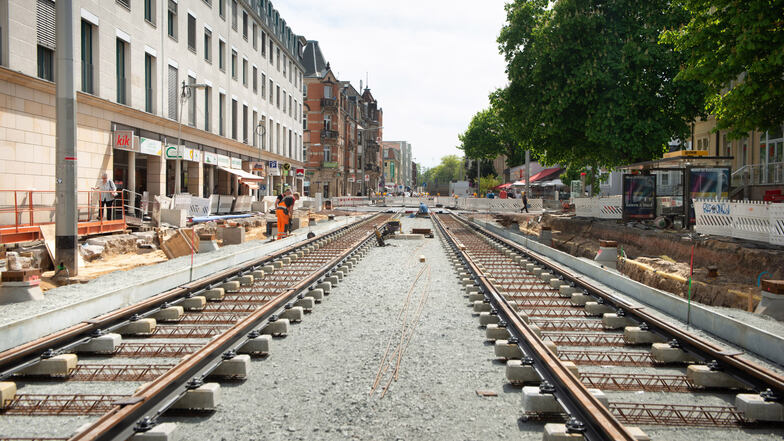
(329, 134)
(329, 103)
(372, 168)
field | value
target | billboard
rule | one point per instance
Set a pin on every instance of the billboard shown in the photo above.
(639, 196)
(709, 183)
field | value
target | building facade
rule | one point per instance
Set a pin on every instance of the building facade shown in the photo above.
(405, 159)
(393, 174)
(342, 128)
(241, 105)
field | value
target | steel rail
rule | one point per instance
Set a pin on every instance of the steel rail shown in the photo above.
(579, 403)
(157, 396)
(17, 358)
(757, 377)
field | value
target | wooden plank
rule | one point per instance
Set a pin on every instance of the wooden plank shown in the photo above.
(48, 233)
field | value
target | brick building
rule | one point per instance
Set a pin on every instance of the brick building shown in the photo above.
(340, 126)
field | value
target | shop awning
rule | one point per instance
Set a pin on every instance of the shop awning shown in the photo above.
(547, 174)
(503, 186)
(243, 175)
(251, 185)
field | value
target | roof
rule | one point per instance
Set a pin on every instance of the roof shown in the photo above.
(547, 174)
(313, 60)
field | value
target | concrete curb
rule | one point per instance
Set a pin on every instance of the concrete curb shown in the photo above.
(29, 328)
(750, 338)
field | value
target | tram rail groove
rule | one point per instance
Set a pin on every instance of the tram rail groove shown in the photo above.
(155, 397)
(757, 377)
(27, 354)
(599, 422)
(486, 257)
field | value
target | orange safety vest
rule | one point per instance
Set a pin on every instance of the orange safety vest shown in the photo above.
(283, 218)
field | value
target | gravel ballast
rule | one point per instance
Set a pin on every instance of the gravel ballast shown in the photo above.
(316, 382)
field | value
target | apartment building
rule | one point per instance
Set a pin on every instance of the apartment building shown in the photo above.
(404, 148)
(392, 179)
(171, 95)
(342, 129)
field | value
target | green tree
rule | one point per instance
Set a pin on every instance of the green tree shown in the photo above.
(737, 49)
(450, 169)
(590, 84)
(487, 183)
(488, 136)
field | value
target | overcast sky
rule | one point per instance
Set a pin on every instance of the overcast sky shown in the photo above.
(431, 63)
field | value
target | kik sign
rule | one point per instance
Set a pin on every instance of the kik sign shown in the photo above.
(124, 140)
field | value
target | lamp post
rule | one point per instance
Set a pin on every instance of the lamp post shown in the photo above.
(261, 131)
(187, 92)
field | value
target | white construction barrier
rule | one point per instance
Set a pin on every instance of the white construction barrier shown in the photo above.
(750, 220)
(350, 201)
(602, 208)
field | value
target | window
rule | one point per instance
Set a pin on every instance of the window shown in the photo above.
(222, 9)
(284, 66)
(263, 44)
(255, 80)
(172, 92)
(245, 25)
(149, 11)
(222, 55)
(207, 45)
(277, 50)
(191, 32)
(45, 63)
(192, 102)
(122, 97)
(149, 78)
(245, 124)
(278, 96)
(291, 112)
(327, 154)
(222, 114)
(88, 71)
(234, 14)
(284, 101)
(291, 71)
(255, 36)
(270, 51)
(277, 138)
(269, 133)
(271, 91)
(290, 149)
(234, 119)
(245, 72)
(207, 107)
(234, 64)
(253, 128)
(263, 86)
(126, 3)
(171, 19)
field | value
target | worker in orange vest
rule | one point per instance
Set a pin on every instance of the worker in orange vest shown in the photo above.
(283, 211)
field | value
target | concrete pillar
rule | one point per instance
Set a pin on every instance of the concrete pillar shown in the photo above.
(131, 185)
(772, 303)
(607, 254)
(156, 175)
(195, 178)
(211, 179)
(764, 406)
(59, 365)
(104, 344)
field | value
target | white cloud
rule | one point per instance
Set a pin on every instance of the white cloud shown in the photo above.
(431, 63)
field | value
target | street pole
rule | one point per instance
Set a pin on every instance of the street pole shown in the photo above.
(66, 226)
(177, 164)
(528, 173)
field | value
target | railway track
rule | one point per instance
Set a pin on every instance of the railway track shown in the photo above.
(577, 351)
(170, 351)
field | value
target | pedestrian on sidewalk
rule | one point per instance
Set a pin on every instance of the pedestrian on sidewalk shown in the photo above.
(106, 189)
(525, 203)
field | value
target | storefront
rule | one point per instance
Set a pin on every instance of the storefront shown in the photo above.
(136, 164)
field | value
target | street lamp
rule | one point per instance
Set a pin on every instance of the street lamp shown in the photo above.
(187, 91)
(261, 131)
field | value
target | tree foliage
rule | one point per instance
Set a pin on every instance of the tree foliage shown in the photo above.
(488, 136)
(487, 183)
(590, 84)
(737, 49)
(450, 169)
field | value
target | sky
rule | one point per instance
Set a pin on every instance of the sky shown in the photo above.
(430, 63)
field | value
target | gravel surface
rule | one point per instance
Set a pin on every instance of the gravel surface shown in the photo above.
(316, 383)
(70, 294)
